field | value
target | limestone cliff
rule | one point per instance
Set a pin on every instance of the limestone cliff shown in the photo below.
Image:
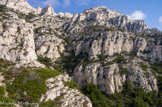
(99, 46)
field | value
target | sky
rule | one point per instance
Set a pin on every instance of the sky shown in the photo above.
(148, 10)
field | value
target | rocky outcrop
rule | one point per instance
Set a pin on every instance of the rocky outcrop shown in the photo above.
(111, 77)
(20, 5)
(24, 7)
(17, 42)
(45, 11)
(1, 80)
(99, 32)
(49, 46)
(68, 15)
(105, 17)
(153, 49)
(68, 97)
(108, 43)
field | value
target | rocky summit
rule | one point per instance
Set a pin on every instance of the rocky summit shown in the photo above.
(97, 58)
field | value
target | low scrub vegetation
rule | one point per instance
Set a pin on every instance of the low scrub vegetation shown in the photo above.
(72, 84)
(119, 59)
(129, 97)
(46, 61)
(6, 100)
(28, 86)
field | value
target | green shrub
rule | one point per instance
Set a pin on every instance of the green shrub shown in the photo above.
(27, 89)
(96, 96)
(120, 59)
(109, 29)
(139, 102)
(129, 97)
(123, 71)
(48, 73)
(132, 54)
(72, 84)
(28, 86)
(121, 30)
(2, 8)
(157, 67)
(29, 16)
(71, 61)
(101, 57)
(2, 92)
(127, 87)
(6, 100)
(46, 61)
(143, 67)
(36, 30)
(49, 103)
(56, 103)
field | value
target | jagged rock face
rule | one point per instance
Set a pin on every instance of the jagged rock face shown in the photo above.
(106, 17)
(106, 43)
(47, 35)
(48, 10)
(100, 13)
(24, 7)
(20, 5)
(69, 97)
(45, 11)
(17, 42)
(111, 42)
(110, 79)
(49, 46)
(153, 50)
(68, 15)
(20, 43)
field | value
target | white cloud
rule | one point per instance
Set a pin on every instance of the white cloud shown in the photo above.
(137, 15)
(160, 19)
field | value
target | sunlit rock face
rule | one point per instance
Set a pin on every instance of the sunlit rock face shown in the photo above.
(96, 38)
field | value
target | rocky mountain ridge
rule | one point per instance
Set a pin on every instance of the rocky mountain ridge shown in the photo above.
(99, 46)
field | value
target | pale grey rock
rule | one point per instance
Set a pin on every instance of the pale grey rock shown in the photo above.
(111, 42)
(106, 43)
(108, 18)
(17, 42)
(69, 97)
(39, 10)
(68, 15)
(1, 80)
(110, 79)
(48, 45)
(3, 2)
(46, 11)
(21, 5)
(153, 50)
(24, 7)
